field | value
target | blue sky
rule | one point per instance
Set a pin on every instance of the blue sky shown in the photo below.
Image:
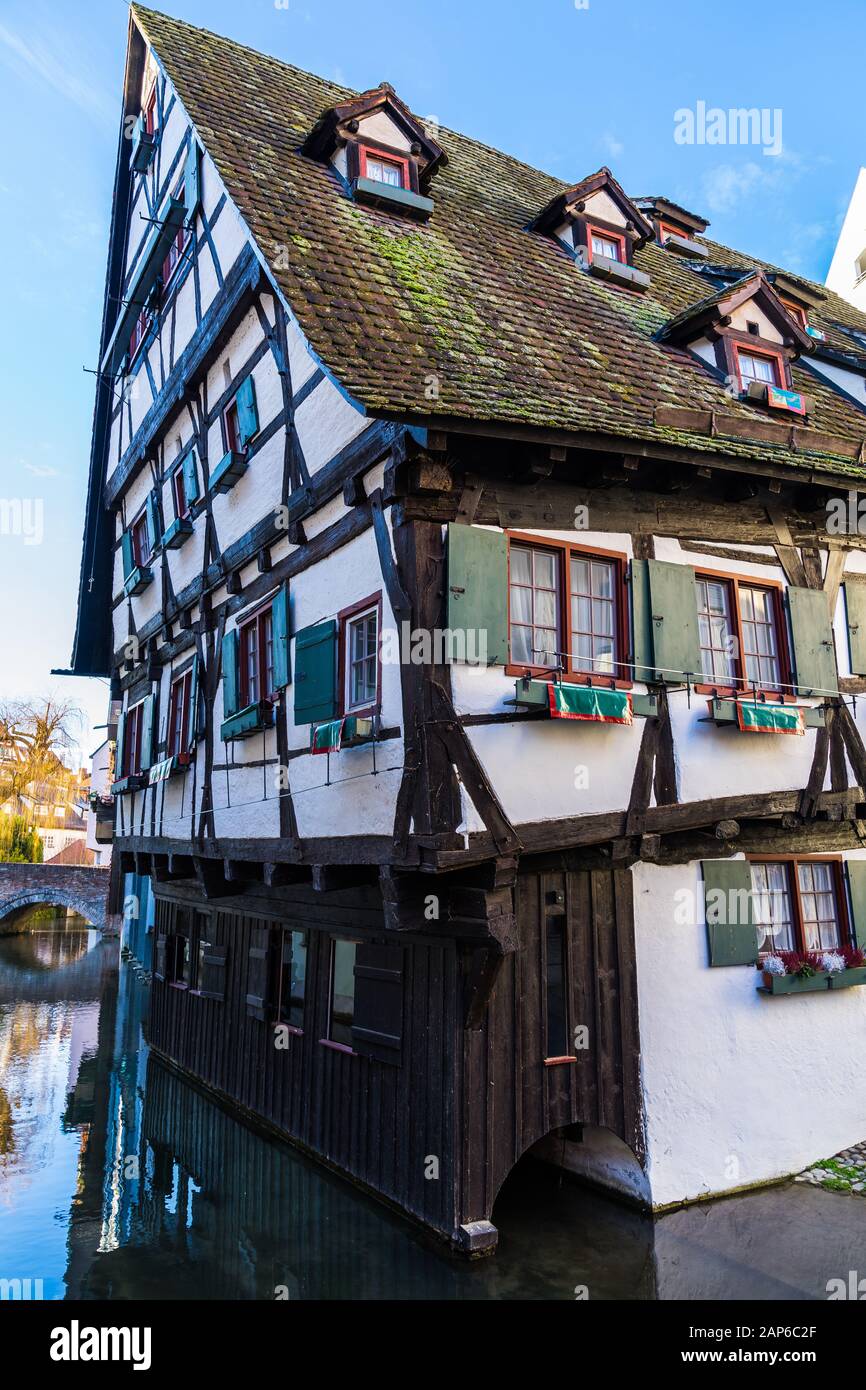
(566, 87)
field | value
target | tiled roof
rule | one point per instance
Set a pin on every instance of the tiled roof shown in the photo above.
(499, 319)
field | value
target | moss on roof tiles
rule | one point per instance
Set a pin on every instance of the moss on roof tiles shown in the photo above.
(510, 327)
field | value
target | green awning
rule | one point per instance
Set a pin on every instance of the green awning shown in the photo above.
(590, 702)
(770, 719)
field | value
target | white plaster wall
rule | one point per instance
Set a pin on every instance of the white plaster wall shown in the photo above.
(852, 382)
(378, 128)
(842, 275)
(602, 206)
(738, 1087)
(750, 312)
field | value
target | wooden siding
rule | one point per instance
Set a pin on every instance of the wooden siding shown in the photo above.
(374, 1121)
(511, 1099)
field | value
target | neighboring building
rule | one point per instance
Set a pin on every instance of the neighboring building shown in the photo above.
(466, 551)
(100, 814)
(66, 835)
(847, 273)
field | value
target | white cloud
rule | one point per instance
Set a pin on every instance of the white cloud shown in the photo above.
(59, 71)
(611, 145)
(41, 471)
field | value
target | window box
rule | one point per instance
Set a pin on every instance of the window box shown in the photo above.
(174, 535)
(133, 782)
(685, 246)
(764, 718)
(606, 268)
(252, 720)
(843, 979)
(178, 762)
(794, 984)
(534, 694)
(350, 732)
(227, 472)
(144, 143)
(387, 195)
(137, 581)
(778, 397)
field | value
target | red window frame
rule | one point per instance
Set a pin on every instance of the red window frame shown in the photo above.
(792, 864)
(345, 619)
(132, 740)
(593, 229)
(139, 332)
(232, 426)
(768, 355)
(256, 651)
(797, 312)
(149, 111)
(178, 492)
(177, 248)
(564, 550)
(734, 583)
(140, 533)
(666, 230)
(178, 715)
(366, 152)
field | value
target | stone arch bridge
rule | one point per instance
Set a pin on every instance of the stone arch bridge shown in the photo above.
(30, 885)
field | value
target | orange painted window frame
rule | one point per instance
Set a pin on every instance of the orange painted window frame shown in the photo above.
(366, 152)
(792, 862)
(768, 354)
(594, 229)
(786, 673)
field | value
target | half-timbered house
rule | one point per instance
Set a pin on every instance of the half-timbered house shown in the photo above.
(477, 560)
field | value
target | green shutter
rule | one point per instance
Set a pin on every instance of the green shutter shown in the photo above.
(248, 415)
(478, 593)
(192, 177)
(128, 556)
(280, 617)
(231, 692)
(154, 530)
(674, 622)
(192, 725)
(730, 917)
(855, 608)
(856, 870)
(812, 633)
(316, 673)
(190, 476)
(118, 748)
(147, 732)
(642, 633)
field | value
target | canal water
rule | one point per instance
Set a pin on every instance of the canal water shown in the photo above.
(119, 1181)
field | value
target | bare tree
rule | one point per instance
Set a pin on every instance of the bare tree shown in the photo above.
(36, 741)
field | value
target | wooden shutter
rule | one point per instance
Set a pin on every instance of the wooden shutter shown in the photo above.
(812, 633)
(280, 629)
(730, 916)
(257, 973)
(118, 747)
(856, 871)
(192, 177)
(478, 590)
(316, 673)
(674, 622)
(248, 415)
(159, 947)
(154, 530)
(127, 553)
(192, 721)
(641, 619)
(377, 1030)
(190, 476)
(147, 710)
(213, 971)
(231, 693)
(855, 609)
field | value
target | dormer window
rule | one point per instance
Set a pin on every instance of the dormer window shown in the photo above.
(380, 150)
(601, 226)
(384, 168)
(797, 312)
